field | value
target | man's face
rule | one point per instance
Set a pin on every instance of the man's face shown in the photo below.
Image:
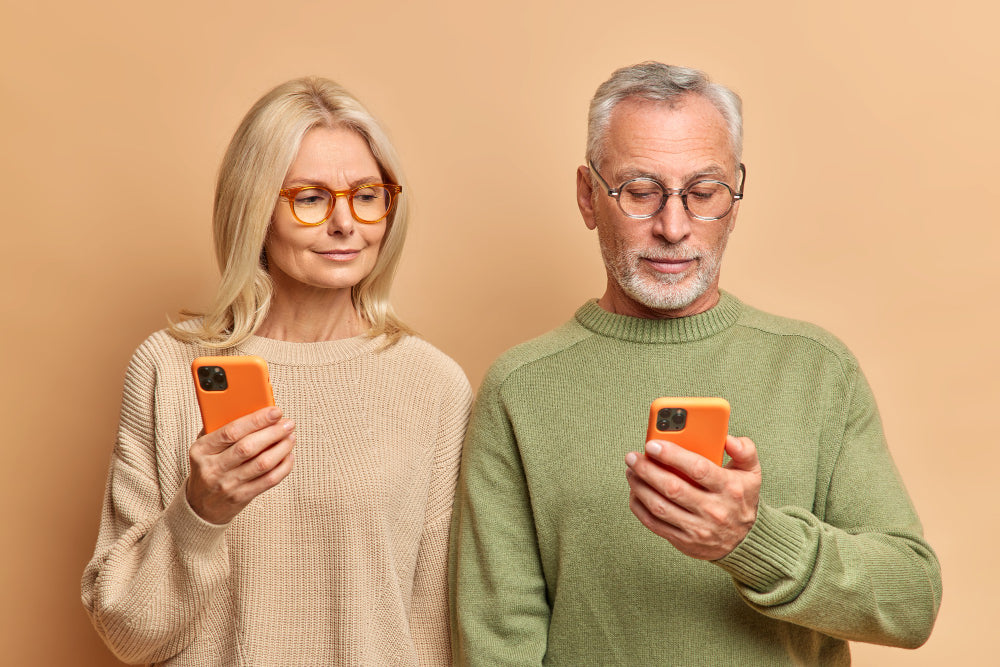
(667, 265)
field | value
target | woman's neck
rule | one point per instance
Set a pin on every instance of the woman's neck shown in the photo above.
(311, 316)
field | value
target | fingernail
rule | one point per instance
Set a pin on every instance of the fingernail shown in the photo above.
(654, 447)
(274, 413)
(631, 458)
(288, 424)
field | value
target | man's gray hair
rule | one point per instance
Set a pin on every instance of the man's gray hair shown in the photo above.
(662, 83)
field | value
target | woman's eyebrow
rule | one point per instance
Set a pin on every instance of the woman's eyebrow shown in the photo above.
(298, 181)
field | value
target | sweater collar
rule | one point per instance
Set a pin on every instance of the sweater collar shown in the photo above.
(719, 317)
(310, 354)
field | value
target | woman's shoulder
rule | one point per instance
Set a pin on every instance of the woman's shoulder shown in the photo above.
(425, 360)
(164, 349)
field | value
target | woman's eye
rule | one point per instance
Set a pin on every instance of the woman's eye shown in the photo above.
(311, 198)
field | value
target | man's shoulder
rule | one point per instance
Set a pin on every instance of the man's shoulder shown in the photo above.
(795, 332)
(525, 355)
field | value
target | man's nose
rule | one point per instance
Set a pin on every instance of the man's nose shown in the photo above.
(672, 223)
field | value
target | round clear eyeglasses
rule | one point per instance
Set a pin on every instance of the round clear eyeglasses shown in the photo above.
(644, 197)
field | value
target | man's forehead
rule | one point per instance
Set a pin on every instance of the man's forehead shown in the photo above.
(684, 115)
(643, 133)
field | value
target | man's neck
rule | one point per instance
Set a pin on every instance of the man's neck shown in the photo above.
(618, 302)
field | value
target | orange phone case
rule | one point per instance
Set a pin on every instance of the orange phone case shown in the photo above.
(705, 429)
(248, 390)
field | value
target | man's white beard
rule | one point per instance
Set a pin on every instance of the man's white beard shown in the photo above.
(662, 291)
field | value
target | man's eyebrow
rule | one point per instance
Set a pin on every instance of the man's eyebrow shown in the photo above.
(711, 171)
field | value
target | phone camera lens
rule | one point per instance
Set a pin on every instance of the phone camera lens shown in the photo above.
(212, 378)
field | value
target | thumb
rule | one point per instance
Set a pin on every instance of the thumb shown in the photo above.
(743, 453)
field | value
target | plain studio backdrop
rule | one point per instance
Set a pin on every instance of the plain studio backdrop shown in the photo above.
(871, 210)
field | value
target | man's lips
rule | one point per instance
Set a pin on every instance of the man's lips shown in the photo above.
(669, 265)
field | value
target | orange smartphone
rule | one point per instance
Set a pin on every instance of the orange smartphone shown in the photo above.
(230, 387)
(696, 424)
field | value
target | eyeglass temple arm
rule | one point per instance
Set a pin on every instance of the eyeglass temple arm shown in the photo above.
(743, 181)
(611, 192)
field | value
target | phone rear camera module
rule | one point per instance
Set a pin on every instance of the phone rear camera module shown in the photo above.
(671, 419)
(212, 378)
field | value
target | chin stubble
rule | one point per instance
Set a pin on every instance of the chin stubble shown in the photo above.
(667, 291)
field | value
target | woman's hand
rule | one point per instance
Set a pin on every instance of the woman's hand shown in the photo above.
(234, 464)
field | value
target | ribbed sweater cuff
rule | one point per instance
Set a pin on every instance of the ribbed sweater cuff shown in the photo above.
(771, 551)
(194, 537)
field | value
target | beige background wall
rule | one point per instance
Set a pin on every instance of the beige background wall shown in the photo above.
(871, 209)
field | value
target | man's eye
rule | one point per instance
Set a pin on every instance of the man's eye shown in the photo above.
(642, 194)
(705, 191)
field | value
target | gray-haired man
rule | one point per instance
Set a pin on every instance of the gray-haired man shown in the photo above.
(803, 540)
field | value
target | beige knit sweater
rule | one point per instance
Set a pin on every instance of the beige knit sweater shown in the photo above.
(342, 563)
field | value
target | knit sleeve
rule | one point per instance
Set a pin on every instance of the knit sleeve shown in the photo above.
(499, 611)
(429, 605)
(861, 572)
(156, 566)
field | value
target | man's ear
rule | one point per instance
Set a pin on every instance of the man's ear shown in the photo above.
(585, 196)
(732, 217)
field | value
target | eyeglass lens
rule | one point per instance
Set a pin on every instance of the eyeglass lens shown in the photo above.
(314, 205)
(705, 199)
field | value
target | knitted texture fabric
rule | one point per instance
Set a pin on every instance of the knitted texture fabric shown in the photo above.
(343, 562)
(549, 566)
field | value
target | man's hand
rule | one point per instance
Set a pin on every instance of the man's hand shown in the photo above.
(236, 463)
(706, 519)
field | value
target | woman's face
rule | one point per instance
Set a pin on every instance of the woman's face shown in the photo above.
(340, 252)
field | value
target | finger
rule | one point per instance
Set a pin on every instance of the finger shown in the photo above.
(693, 466)
(251, 445)
(666, 507)
(268, 480)
(742, 453)
(224, 437)
(657, 526)
(266, 461)
(662, 480)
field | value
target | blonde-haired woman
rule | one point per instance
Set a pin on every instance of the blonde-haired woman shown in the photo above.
(314, 532)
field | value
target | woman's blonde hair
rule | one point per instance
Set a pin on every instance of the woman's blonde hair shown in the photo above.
(252, 172)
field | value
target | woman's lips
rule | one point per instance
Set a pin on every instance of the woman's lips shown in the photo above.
(340, 255)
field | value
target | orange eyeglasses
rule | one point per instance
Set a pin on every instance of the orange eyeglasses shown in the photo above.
(369, 203)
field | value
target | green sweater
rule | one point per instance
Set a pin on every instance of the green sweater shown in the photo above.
(549, 566)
